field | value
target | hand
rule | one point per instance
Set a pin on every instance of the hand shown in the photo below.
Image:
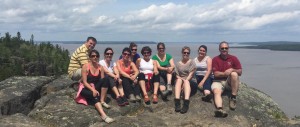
(155, 72)
(169, 70)
(228, 71)
(132, 78)
(95, 93)
(200, 85)
(115, 78)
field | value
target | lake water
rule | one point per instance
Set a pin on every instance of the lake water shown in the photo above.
(276, 73)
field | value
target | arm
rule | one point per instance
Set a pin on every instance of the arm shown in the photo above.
(138, 61)
(102, 72)
(135, 71)
(209, 69)
(155, 70)
(172, 66)
(121, 71)
(160, 67)
(84, 80)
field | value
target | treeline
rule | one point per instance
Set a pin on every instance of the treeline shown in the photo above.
(25, 58)
(279, 46)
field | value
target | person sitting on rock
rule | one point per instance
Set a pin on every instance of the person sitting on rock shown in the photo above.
(184, 72)
(79, 58)
(166, 68)
(112, 74)
(227, 69)
(92, 81)
(129, 73)
(203, 72)
(148, 70)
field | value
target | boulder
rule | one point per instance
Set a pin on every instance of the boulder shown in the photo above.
(57, 108)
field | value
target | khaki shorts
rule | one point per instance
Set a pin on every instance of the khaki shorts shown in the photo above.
(76, 75)
(221, 84)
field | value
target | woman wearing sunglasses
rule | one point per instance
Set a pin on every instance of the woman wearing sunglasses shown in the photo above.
(165, 67)
(129, 72)
(114, 81)
(92, 81)
(184, 69)
(148, 71)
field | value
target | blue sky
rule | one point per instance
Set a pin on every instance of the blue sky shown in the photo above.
(153, 20)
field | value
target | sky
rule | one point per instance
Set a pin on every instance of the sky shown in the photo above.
(152, 20)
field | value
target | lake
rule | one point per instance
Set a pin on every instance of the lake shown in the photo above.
(273, 72)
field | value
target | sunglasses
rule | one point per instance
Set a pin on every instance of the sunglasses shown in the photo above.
(187, 53)
(224, 48)
(161, 48)
(93, 56)
(126, 54)
(133, 49)
(109, 54)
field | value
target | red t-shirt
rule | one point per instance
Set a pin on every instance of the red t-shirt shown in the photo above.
(221, 65)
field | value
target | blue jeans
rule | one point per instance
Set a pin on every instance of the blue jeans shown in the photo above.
(207, 83)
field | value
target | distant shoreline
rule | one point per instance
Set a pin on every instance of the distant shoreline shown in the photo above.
(276, 46)
(101, 42)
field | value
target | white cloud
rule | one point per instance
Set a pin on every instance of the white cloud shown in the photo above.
(223, 16)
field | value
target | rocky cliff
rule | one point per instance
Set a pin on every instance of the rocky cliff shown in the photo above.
(48, 101)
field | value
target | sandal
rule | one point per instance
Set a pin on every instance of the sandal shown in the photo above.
(105, 105)
(155, 99)
(108, 119)
(146, 99)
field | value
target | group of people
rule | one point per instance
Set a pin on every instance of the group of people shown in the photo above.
(132, 77)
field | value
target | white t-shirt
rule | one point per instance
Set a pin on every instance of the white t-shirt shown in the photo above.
(111, 66)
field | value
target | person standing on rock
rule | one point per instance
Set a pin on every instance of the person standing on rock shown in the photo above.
(91, 84)
(227, 69)
(80, 57)
(185, 70)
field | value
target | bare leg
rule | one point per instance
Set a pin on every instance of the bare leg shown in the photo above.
(103, 94)
(116, 91)
(178, 88)
(206, 92)
(120, 88)
(162, 88)
(169, 78)
(100, 110)
(156, 84)
(142, 84)
(234, 82)
(217, 97)
(187, 89)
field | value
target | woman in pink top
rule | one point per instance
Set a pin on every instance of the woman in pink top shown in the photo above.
(92, 81)
(129, 73)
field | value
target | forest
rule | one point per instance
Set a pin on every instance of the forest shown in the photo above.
(19, 57)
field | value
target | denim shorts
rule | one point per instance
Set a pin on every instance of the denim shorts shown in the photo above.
(207, 83)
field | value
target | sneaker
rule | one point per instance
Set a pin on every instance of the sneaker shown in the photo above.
(232, 103)
(108, 119)
(105, 105)
(169, 88)
(132, 98)
(164, 95)
(221, 113)
(138, 97)
(120, 101)
(124, 99)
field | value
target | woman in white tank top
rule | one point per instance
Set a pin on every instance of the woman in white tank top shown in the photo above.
(148, 74)
(203, 72)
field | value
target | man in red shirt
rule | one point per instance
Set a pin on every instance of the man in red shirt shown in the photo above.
(227, 69)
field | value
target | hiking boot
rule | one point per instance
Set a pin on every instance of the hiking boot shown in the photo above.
(132, 98)
(177, 105)
(185, 106)
(232, 103)
(138, 97)
(124, 99)
(105, 105)
(120, 101)
(169, 88)
(207, 98)
(220, 113)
